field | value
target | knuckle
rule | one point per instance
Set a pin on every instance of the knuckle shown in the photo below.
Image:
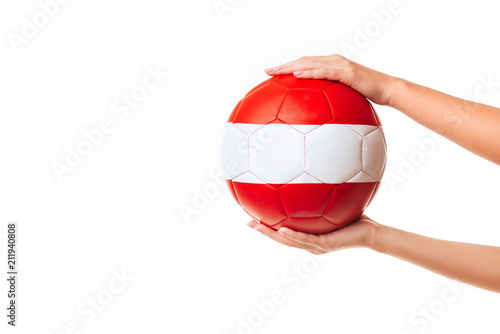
(337, 57)
(347, 70)
(348, 65)
(315, 74)
(325, 72)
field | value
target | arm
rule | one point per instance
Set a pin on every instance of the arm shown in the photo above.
(472, 264)
(477, 265)
(471, 125)
(474, 126)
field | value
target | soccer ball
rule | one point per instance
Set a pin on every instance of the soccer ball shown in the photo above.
(304, 154)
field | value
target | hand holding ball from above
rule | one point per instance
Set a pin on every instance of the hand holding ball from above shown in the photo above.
(303, 154)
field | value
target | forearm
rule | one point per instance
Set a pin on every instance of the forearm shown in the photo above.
(474, 126)
(469, 263)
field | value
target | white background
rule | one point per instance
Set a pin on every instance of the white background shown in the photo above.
(119, 208)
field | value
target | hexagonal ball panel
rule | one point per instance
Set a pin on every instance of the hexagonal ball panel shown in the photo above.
(261, 201)
(276, 153)
(374, 154)
(235, 152)
(262, 105)
(333, 153)
(349, 106)
(348, 201)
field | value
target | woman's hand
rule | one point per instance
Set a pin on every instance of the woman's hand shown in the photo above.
(376, 86)
(356, 234)
(468, 263)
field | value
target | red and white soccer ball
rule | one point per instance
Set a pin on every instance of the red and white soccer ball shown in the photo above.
(303, 154)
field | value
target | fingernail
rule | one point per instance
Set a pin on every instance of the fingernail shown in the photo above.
(267, 70)
(258, 229)
(297, 73)
(277, 68)
(282, 232)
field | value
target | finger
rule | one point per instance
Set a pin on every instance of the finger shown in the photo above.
(312, 61)
(296, 65)
(291, 67)
(273, 234)
(320, 73)
(307, 63)
(252, 224)
(300, 237)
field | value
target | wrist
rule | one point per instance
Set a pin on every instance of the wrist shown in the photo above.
(394, 86)
(375, 237)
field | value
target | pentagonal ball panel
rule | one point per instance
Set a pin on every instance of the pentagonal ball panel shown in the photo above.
(290, 81)
(305, 200)
(305, 106)
(315, 225)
